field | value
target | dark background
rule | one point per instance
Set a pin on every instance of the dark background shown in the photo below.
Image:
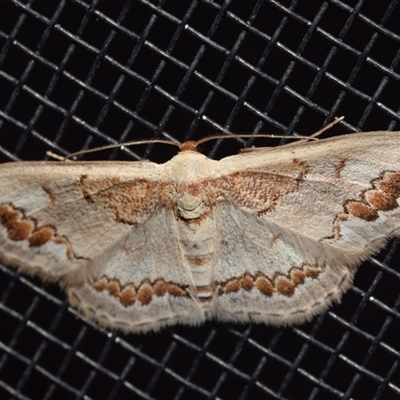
(76, 74)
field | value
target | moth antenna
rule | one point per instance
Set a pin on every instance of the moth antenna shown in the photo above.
(329, 126)
(318, 133)
(271, 136)
(253, 135)
(192, 145)
(113, 146)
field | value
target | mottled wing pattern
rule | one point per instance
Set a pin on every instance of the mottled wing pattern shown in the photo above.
(96, 229)
(140, 283)
(269, 274)
(50, 224)
(299, 219)
(270, 236)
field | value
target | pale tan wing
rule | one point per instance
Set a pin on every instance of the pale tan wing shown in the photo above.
(270, 275)
(140, 283)
(302, 218)
(48, 222)
(100, 230)
(342, 191)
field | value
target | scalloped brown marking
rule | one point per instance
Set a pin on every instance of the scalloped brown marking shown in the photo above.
(284, 284)
(132, 202)
(260, 190)
(128, 294)
(382, 196)
(20, 227)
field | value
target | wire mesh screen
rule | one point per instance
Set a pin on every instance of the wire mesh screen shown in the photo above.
(79, 74)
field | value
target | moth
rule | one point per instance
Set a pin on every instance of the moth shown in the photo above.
(271, 236)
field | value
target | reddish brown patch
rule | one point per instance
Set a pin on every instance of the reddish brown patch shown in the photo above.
(100, 285)
(128, 294)
(382, 196)
(41, 236)
(145, 295)
(232, 286)
(284, 284)
(259, 190)
(160, 288)
(20, 227)
(382, 201)
(175, 290)
(264, 286)
(285, 287)
(17, 229)
(247, 283)
(363, 211)
(20, 230)
(113, 288)
(312, 273)
(298, 278)
(132, 202)
(391, 184)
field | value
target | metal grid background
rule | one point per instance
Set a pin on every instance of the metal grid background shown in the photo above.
(80, 73)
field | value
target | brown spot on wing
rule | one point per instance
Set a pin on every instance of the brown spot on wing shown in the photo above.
(41, 236)
(132, 202)
(285, 287)
(382, 201)
(128, 294)
(298, 278)
(312, 273)
(260, 190)
(18, 228)
(145, 295)
(391, 185)
(21, 227)
(382, 196)
(264, 286)
(363, 211)
(247, 283)
(231, 286)
(279, 283)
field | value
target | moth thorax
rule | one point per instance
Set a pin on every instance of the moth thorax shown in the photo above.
(190, 207)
